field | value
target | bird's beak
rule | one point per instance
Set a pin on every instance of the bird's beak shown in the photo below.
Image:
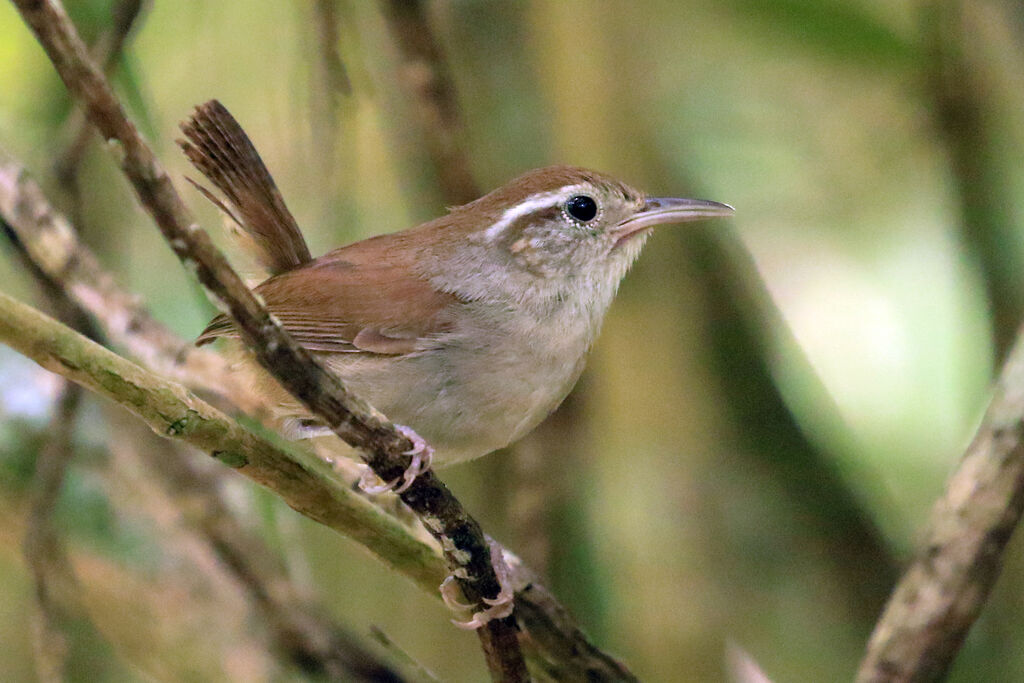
(660, 210)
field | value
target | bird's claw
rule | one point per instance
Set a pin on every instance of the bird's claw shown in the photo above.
(422, 457)
(501, 605)
(422, 460)
(450, 595)
(367, 485)
(481, 618)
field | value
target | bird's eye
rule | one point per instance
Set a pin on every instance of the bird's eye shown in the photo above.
(581, 207)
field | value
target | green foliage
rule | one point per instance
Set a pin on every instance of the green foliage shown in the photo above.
(847, 32)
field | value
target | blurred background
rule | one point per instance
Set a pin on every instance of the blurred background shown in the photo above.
(773, 405)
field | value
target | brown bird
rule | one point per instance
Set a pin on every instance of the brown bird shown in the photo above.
(469, 329)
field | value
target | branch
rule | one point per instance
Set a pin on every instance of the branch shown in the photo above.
(333, 76)
(300, 629)
(962, 86)
(944, 589)
(424, 73)
(302, 480)
(351, 418)
(51, 245)
(45, 555)
(105, 51)
(329, 84)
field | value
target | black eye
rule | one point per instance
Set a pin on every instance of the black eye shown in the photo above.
(581, 207)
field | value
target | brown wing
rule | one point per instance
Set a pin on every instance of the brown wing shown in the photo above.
(360, 298)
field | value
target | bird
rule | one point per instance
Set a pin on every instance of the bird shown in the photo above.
(467, 330)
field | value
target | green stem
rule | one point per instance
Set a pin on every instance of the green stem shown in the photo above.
(304, 481)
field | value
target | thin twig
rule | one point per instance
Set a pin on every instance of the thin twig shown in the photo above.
(420, 671)
(943, 591)
(301, 629)
(355, 421)
(55, 583)
(425, 74)
(105, 52)
(51, 243)
(334, 77)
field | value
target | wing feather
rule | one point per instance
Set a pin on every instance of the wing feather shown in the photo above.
(363, 298)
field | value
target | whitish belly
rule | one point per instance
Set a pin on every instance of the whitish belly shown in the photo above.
(467, 400)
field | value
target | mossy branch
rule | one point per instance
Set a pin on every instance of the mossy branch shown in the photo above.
(301, 479)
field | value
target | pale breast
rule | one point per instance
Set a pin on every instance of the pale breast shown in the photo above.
(477, 388)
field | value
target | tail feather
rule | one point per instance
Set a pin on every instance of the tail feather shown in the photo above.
(218, 147)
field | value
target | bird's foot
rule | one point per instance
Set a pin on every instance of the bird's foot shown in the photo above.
(501, 605)
(422, 460)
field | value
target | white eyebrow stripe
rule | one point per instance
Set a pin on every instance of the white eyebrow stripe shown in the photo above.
(541, 200)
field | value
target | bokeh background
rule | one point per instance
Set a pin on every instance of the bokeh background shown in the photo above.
(774, 402)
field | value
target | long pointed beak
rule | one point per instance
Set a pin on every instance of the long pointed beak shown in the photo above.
(661, 210)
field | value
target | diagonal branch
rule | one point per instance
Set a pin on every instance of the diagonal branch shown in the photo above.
(943, 591)
(425, 74)
(301, 629)
(351, 418)
(106, 51)
(304, 481)
(51, 244)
